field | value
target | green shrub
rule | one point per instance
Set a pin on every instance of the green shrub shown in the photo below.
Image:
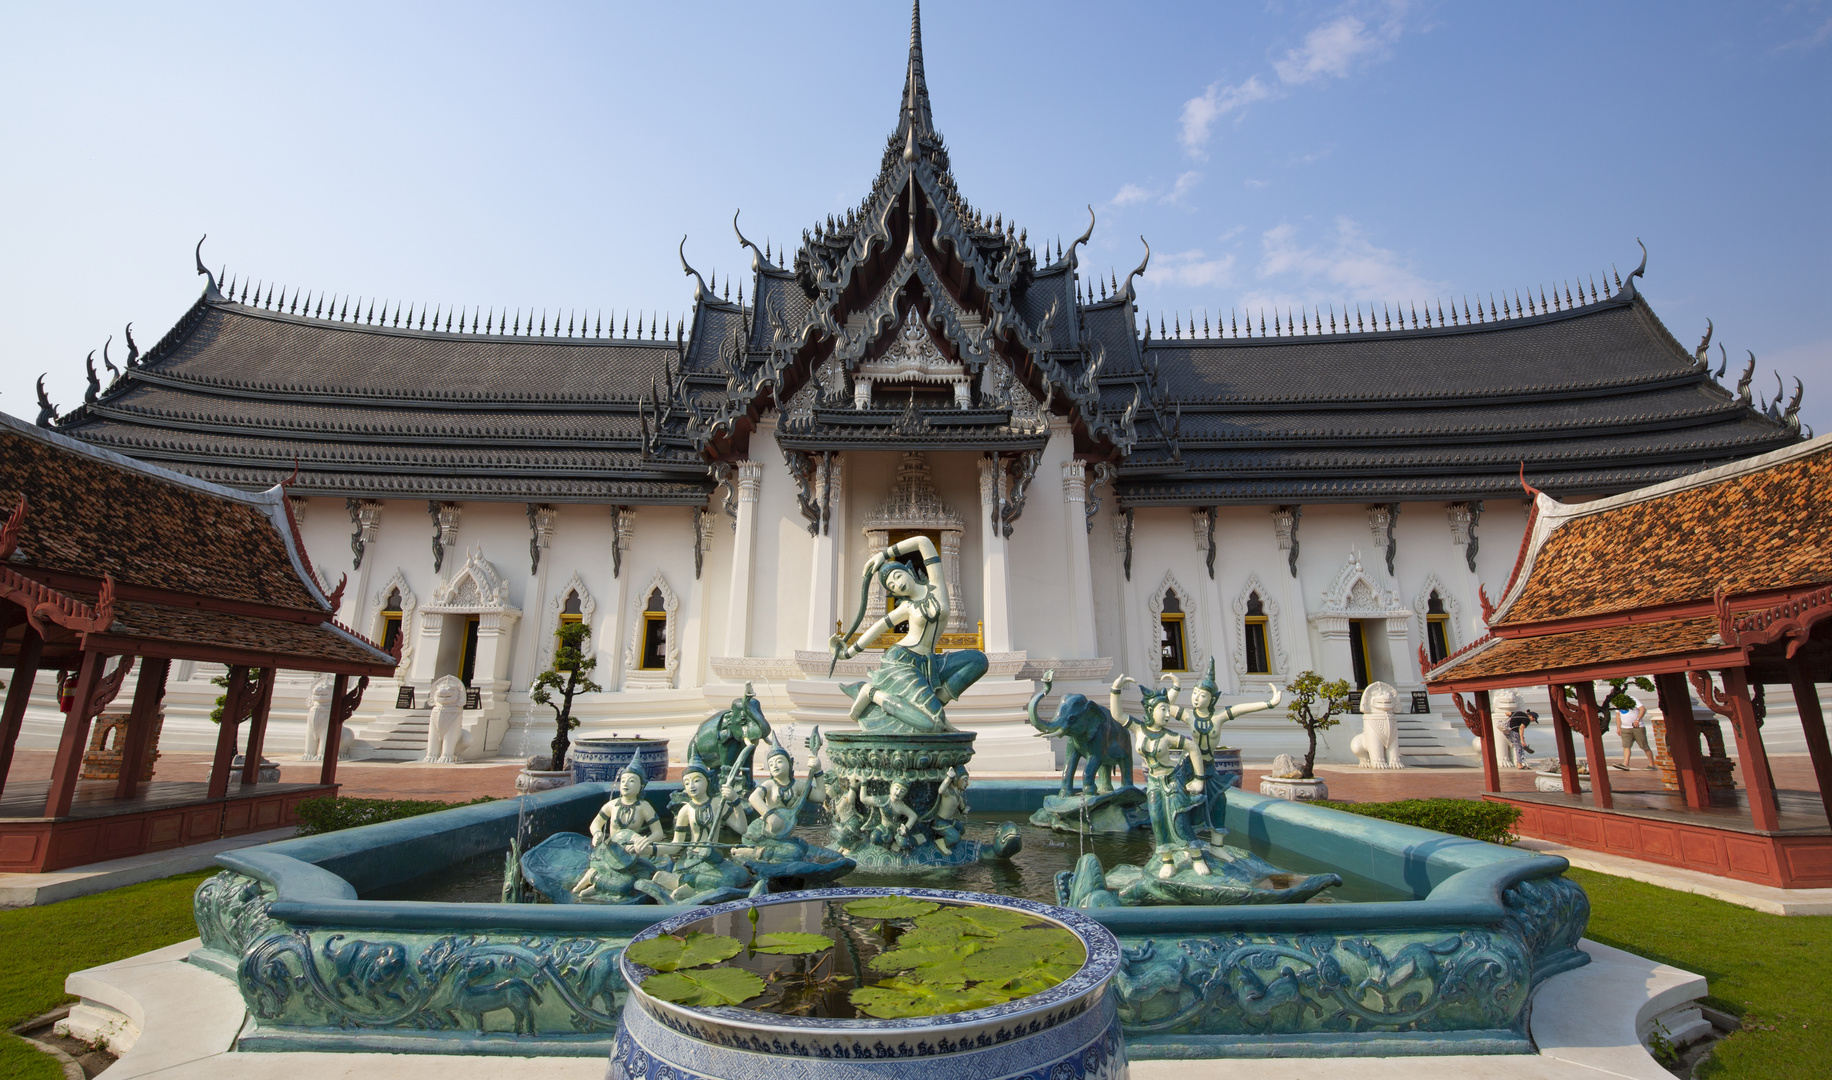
(1490, 821)
(334, 812)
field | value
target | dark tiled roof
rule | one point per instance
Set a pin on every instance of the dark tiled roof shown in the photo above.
(1592, 400)
(237, 395)
(91, 513)
(1764, 526)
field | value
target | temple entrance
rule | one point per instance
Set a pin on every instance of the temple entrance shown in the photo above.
(1368, 652)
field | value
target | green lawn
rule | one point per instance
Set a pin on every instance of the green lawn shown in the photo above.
(41, 945)
(1770, 970)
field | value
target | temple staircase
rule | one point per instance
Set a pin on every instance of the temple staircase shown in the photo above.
(1434, 739)
(397, 735)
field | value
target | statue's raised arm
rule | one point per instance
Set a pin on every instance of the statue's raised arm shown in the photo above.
(908, 691)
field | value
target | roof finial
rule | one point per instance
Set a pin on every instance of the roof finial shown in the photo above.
(1701, 356)
(917, 119)
(1082, 239)
(210, 289)
(47, 412)
(759, 259)
(699, 283)
(1627, 290)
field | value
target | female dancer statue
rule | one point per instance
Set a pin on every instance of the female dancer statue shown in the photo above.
(907, 692)
(1167, 797)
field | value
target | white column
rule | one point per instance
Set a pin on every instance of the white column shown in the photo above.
(1297, 610)
(995, 578)
(822, 572)
(1132, 656)
(749, 478)
(1081, 572)
(366, 515)
(610, 636)
(541, 527)
(693, 623)
(1460, 525)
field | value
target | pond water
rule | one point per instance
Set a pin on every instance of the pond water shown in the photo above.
(1031, 874)
(882, 957)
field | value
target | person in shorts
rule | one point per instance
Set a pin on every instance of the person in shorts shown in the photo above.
(1632, 727)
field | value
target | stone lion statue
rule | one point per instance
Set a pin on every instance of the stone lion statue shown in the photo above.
(317, 720)
(1378, 744)
(1502, 704)
(445, 731)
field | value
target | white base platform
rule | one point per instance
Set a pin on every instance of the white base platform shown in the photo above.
(166, 1017)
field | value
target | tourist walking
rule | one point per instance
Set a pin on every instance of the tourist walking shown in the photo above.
(1634, 731)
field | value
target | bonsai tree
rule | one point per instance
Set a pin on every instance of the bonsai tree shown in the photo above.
(568, 675)
(1315, 704)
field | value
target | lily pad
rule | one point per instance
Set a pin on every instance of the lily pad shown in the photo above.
(940, 966)
(896, 998)
(944, 934)
(1048, 941)
(792, 944)
(1011, 965)
(976, 921)
(889, 907)
(671, 953)
(705, 987)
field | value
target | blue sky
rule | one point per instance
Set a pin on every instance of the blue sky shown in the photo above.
(553, 155)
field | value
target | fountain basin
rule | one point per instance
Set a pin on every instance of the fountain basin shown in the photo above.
(1448, 971)
(1070, 1030)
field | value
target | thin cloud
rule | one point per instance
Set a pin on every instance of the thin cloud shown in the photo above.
(1331, 51)
(1347, 266)
(1193, 267)
(1133, 194)
(1200, 113)
(1811, 41)
(1130, 194)
(1185, 184)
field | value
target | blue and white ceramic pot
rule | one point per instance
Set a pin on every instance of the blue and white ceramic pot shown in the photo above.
(1069, 1032)
(601, 760)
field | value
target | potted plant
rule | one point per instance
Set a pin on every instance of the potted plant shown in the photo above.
(853, 982)
(568, 675)
(1315, 704)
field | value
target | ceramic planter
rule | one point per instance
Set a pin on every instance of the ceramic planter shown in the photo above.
(1070, 1031)
(602, 760)
(1296, 790)
(529, 781)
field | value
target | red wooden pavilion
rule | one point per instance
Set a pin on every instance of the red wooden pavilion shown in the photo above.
(106, 558)
(1726, 571)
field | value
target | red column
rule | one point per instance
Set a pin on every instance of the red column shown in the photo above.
(1758, 784)
(257, 728)
(18, 696)
(1593, 746)
(1806, 699)
(69, 763)
(225, 733)
(148, 693)
(1491, 769)
(1561, 731)
(1682, 738)
(333, 731)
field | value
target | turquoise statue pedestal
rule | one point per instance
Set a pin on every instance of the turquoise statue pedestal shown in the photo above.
(1114, 812)
(898, 800)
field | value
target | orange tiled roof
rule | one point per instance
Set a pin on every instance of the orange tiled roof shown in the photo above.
(1768, 528)
(1529, 658)
(90, 513)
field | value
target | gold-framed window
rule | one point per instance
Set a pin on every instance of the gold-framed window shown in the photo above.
(1259, 656)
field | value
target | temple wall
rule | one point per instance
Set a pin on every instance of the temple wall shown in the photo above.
(1167, 552)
